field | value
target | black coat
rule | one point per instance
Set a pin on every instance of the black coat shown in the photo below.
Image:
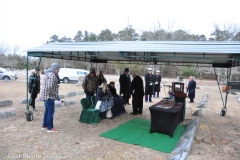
(34, 85)
(137, 86)
(191, 89)
(101, 79)
(157, 86)
(113, 91)
(148, 80)
(125, 83)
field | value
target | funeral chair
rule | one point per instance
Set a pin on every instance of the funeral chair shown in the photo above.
(89, 114)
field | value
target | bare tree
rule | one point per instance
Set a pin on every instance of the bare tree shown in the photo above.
(4, 48)
(15, 50)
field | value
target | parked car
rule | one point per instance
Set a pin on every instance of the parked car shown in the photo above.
(7, 75)
(71, 74)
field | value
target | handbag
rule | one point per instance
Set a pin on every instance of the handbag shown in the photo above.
(109, 113)
(99, 103)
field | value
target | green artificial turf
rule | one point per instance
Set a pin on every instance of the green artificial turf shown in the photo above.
(137, 132)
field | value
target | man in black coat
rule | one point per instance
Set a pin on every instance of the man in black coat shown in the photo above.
(125, 82)
(149, 85)
(191, 89)
(137, 91)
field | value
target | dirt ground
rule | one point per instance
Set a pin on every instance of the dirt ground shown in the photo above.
(217, 138)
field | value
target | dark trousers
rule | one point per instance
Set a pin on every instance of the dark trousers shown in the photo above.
(126, 99)
(32, 100)
(150, 97)
(137, 105)
(191, 99)
(89, 95)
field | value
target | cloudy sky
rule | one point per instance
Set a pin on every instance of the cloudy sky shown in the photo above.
(30, 23)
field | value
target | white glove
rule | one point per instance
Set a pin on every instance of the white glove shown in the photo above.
(122, 95)
(150, 84)
(133, 91)
(156, 82)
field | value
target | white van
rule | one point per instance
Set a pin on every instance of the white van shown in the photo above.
(71, 74)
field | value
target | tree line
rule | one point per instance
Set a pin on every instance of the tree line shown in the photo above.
(229, 33)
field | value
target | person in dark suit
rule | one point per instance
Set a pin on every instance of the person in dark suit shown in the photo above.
(191, 89)
(149, 85)
(157, 84)
(137, 91)
(125, 82)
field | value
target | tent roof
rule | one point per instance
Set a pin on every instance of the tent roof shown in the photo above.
(219, 54)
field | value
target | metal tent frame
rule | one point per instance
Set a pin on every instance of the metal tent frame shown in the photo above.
(217, 54)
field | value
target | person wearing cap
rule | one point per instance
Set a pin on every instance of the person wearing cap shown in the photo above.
(137, 91)
(101, 78)
(191, 89)
(149, 84)
(157, 84)
(34, 87)
(125, 82)
(90, 84)
(49, 93)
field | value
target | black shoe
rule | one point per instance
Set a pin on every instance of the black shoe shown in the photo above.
(133, 113)
(190, 102)
(139, 112)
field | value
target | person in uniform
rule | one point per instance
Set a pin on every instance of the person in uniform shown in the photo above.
(157, 85)
(125, 82)
(149, 81)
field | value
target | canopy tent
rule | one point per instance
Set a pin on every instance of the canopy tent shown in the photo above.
(217, 54)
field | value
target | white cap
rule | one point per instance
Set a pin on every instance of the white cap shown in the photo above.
(157, 71)
(149, 69)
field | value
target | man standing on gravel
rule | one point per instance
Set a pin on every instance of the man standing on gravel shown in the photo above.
(191, 89)
(49, 93)
(149, 82)
(125, 82)
(137, 91)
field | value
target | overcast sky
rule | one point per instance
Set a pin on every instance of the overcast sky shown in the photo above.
(30, 23)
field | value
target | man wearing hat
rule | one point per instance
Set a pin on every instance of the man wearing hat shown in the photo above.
(90, 84)
(157, 84)
(34, 86)
(49, 93)
(125, 82)
(149, 84)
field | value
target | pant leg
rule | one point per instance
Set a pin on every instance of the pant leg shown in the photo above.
(191, 99)
(89, 95)
(150, 98)
(49, 114)
(33, 99)
(146, 97)
(140, 105)
(45, 115)
(135, 105)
